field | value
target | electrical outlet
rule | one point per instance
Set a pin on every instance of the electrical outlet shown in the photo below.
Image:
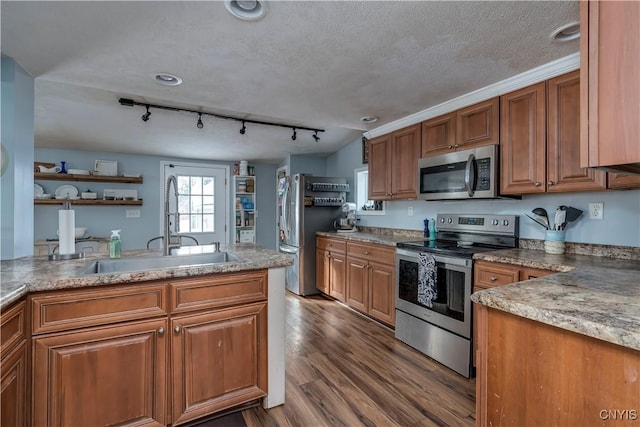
(596, 210)
(133, 213)
(410, 211)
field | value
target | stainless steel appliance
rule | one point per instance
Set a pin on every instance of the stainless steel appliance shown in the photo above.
(308, 204)
(347, 222)
(466, 174)
(441, 327)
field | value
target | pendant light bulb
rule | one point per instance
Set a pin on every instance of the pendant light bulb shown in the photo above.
(243, 129)
(294, 136)
(200, 124)
(145, 116)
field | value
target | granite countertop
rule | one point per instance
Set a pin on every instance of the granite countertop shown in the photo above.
(387, 239)
(591, 295)
(33, 274)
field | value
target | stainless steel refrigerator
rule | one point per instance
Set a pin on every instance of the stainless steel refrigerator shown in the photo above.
(307, 204)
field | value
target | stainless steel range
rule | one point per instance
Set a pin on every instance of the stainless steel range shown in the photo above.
(434, 281)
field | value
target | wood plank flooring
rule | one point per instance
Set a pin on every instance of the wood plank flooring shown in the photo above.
(343, 369)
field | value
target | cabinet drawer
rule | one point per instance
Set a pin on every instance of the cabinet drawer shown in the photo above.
(218, 291)
(487, 276)
(372, 252)
(77, 309)
(12, 326)
(333, 245)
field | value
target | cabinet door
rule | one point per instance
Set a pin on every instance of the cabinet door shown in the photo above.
(13, 387)
(522, 140)
(406, 149)
(379, 168)
(357, 280)
(622, 182)
(382, 292)
(438, 135)
(322, 271)
(478, 125)
(563, 138)
(219, 360)
(337, 277)
(111, 375)
(610, 66)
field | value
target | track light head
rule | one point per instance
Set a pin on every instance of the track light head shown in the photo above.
(294, 136)
(200, 124)
(243, 129)
(145, 116)
(316, 137)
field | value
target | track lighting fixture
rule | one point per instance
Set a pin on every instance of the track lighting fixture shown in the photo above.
(145, 117)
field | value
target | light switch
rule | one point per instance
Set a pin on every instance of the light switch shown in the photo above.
(133, 213)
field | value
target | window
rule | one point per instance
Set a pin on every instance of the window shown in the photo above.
(195, 204)
(364, 205)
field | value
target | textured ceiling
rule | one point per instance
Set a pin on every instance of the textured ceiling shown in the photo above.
(321, 64)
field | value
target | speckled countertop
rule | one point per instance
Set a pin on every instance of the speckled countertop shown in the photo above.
(591, 295)
(386, 239)
(31, 274)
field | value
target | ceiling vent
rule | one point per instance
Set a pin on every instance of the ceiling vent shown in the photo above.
(567, 32)
(247, 10)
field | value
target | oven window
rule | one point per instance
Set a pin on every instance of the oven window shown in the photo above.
(450, 289)
(443, 179)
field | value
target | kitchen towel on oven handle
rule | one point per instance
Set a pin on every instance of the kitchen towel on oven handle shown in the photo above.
(427, 279)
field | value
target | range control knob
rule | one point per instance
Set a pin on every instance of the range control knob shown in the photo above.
(449, 220)
(442, 220)
(505, 222)
(494, 222)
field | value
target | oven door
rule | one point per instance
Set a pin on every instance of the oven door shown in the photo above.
(451, 308)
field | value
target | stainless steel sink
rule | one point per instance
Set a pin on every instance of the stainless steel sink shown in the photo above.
(104, 266)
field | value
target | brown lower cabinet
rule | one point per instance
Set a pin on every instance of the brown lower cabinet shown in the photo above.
(491, 274)
(13, 366)
(197, 346)
(533, 374)
(331, 267)
(371, 280)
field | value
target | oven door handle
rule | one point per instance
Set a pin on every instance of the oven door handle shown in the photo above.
(470, 176)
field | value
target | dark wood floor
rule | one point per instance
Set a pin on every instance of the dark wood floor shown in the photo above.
(345, 370)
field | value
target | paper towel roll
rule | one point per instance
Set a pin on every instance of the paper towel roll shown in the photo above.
(66, 232)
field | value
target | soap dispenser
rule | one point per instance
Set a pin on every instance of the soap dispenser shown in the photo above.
(114, 244)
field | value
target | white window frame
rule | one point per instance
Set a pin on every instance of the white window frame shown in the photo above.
(357, 189)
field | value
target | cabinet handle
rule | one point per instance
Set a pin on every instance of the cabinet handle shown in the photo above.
(161, 331)
(493, 278)
(456, 146)
(177, 329)
(366, 252)
(549, 182)
(449, 147)
(537, 184)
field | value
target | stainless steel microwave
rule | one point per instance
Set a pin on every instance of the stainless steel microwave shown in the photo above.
(466, 174)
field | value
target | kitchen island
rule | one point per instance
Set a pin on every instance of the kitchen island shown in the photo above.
(151, 334)
(563, 349)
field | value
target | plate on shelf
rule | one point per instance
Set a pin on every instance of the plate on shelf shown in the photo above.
(78, 172)
(66, 192)
(38, 190)
(106, 167)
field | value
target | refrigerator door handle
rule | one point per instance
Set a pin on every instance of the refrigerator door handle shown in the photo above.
(288, 250)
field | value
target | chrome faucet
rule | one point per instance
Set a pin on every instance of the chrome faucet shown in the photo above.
(171, 240)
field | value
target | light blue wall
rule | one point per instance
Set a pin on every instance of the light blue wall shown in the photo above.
(136, 231)
(16, 197)
(620, 226)
(307, 164)
(343, 163)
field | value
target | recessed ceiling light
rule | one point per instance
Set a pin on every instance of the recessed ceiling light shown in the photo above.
(247, 10)
(369, 119)
(567, 32)
(167, 79)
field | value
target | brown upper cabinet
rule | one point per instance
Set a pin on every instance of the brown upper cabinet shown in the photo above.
(469, 127)
(540, 139)
(609, 67)
(393, 165)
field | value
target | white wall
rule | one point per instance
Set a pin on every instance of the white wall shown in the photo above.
(137, 231)
(16, 197)
(620, 226)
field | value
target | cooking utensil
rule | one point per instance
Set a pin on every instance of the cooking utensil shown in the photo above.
(559, 221)
(541, 214)
(537, 221)
(573, 214)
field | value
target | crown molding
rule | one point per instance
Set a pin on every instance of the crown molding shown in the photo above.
(535, 75)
